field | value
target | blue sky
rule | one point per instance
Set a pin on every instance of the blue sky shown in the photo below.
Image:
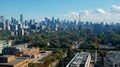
(41, 8)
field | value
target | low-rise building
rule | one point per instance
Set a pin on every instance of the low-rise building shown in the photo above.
(3, 43)
(11, 61)
(81, 59)
(21, 50)
(113, 59)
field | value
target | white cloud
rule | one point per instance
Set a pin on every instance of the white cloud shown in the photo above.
(97, 15)
(115, 9)
(100, 11)
(84, 12)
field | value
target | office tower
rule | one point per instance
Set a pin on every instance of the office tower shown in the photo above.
(8, 27)
(56, 27)
(2, 23)
(20, 26)
(7, 22)
(1, 26)
(21, 19)
(58, 19)
(13, 27)
(20, 32)
(31, 22)
(2, 19)
(13, 20)
(46, 18)
(26, 23)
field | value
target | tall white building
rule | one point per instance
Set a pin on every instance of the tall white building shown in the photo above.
(81, 59)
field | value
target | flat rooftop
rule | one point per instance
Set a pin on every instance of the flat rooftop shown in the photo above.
(5, 56)
(79, 59)
(113, 57)
(3, 42)
(13, 62)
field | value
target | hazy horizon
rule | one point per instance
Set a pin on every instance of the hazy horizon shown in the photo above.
(92, 10)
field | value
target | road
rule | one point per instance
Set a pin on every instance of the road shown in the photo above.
(76, 45)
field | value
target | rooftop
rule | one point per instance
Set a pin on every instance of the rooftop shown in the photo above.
(78, 60)
(113, 57)
(19, 47)
(5, 56)
(16, 61)
(3, 42)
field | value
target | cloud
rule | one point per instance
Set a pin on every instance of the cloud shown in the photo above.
(97, 15)
(84, 12)
(100, 11)
(115, 9)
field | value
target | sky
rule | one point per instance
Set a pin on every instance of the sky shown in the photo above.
(90, 10)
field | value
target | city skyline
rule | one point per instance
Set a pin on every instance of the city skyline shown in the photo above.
(95, 11)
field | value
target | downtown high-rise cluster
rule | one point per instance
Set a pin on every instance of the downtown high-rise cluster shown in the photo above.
(22, 27)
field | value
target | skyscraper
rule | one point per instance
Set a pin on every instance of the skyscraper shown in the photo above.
(2, 19)
(2, 22)
(21, 19)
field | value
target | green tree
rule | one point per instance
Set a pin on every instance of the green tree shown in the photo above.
(60, 64)
(33, 65)
(70, 53)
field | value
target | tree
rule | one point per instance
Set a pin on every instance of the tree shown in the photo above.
(117, 46)
(70, 53)
(32, 65)
(61, 64)
(94, 45)
(53, 58)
